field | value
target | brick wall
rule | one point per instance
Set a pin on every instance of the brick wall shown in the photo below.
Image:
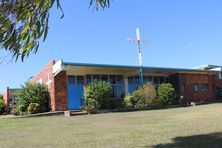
(45, 74)
(6, 99)
(46, 77)
(188, 81)
(61, 91)
(57, 86)
(216, 84)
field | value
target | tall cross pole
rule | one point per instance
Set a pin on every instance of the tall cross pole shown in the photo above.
(138, 41)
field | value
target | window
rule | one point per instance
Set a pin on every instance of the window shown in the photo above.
(120, 91)
(88, 79)
(117, 84)
(96, 77)
(112, 79)
(182, 88)
(80, 79)
(131, 80)
(161, 80)
(120, 79)
(72, 80)
(156, 80)
(219, 75)
(150, 79)
(104, 78)
(166, 79)
(144, 79)
(195, 88)
(204, 87)
(137, 80)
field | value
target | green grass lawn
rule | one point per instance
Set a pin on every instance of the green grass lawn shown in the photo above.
(199, 126)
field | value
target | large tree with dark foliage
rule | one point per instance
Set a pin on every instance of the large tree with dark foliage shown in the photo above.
(24, 22)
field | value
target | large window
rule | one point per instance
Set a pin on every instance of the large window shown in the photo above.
(134, 81)
(117, 84)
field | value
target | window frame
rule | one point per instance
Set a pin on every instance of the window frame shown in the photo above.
(195, 89)
(204, 89)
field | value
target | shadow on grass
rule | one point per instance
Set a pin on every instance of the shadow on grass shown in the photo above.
(212, 140)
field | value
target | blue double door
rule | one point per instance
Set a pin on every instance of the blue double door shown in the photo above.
(75, 92)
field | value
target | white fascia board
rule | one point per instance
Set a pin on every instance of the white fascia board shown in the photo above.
(216, 69)
(57, 66)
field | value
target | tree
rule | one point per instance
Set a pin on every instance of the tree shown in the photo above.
(24, 22)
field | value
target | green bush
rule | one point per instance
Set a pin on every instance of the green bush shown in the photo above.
(128, 101)
(141, 97)
(166, 94)
(34, 108)
(32, 93)
(2, 105)
(97, 95)
(17, 111)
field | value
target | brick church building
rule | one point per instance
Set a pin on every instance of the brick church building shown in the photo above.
(65, 82)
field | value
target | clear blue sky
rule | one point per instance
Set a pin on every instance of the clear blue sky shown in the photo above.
(182, 33)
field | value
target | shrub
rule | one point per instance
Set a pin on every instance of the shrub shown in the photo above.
(2, 105)
(150, 94)
(137, 95)
(166, 94)
(127, 101)
(97, 95)
(141, 97)
(17, 111)
(32, 93)
(34, 108)
(144, 96)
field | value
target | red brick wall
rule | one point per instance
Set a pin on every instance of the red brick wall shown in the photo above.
(188, 80)
(6, 99)
(216, 83)
(58, 86)
(46, 74)
(174, 80)
(61, 91)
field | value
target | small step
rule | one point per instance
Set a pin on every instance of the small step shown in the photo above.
(74, 113)
(75, 110)
(83, 112)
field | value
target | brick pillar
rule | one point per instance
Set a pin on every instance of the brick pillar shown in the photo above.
(6, 100)
(210, 89)
(60, 100)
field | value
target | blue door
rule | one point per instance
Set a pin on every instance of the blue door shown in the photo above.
(75, 92)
